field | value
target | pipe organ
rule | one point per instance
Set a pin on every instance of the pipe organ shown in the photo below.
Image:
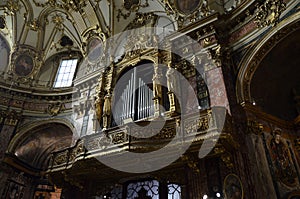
(135, 101)
(145, 102)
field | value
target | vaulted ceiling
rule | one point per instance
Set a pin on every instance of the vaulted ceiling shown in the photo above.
(41, 24)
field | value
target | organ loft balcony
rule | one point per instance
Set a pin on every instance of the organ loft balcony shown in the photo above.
(180, 141)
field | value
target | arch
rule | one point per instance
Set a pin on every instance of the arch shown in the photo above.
(24, 131)
(140, 60)
(6, 42)
(49, 10)
(29, 9)
(257, 53)
(35, 145)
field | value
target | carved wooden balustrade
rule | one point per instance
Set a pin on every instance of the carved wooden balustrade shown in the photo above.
(196, 128)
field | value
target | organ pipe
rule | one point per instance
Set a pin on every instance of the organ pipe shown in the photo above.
(136, 100)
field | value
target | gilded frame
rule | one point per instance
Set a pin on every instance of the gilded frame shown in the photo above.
(233, 188)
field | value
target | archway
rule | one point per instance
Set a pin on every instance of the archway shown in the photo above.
(276, 79)
(29, 155)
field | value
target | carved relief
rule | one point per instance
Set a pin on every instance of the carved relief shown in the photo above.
(130, 6)
(198, 125)
(55, 109)
(34, 25)
(283, 167)
(76, 5)
(165, 133)
(269, 13)
(255, 127)
(250, 67)
(100, 142)
(60, 158)
(12, 7)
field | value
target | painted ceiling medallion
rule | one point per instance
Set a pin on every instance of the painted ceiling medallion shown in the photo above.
(24, 65)
(187, 7)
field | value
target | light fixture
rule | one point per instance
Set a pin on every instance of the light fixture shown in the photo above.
(205, 196)
(218, 195)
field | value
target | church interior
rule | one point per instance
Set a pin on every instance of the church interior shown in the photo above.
(149, 99)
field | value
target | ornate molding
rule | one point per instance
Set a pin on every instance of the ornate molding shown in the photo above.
(269, 12)
(254, 127)
(130, 6)
(186, 12)
(75, 5)
(252, 59)
(25, 64)
(12, 7)
(10, 118)
(55, 109)
(34, 25)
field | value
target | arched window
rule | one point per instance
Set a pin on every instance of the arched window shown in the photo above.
(174, 191)
(143, 189)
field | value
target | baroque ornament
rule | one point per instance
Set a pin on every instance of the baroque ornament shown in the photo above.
(76, 5)
(131, 6)
(269, 13)
(12, 7)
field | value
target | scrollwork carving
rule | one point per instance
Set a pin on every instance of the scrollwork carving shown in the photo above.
(55, 109)
(12, 7)
(198, 125)
(76, 5)
(118, 138)
(269, 12)
(60, 158)
(254, 127)
(130, 6)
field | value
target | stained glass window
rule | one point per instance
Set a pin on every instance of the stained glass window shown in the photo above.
(174, 191)
(116, 193)
(148, 189)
